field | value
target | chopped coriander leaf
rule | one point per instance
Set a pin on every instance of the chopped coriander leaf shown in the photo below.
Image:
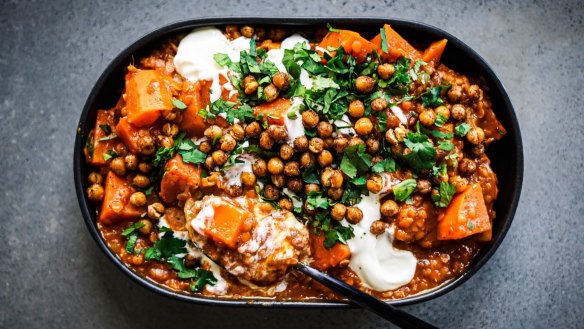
(132, 228)
(439, 170)
(321, 83)
(131, 243)
(440, 120)
(315, 200)
(148, 191)
(331, 29)
(404, 189)
(292, 115)
(446, 192)
(166, 246)
(462, 129)
(339, 234)
(184, 272)
(110, 155)
(202, 278)
(177, 103)
(107, 138)
(385, 165)
(272, 202)
(355, 161)
(106, 129)
(422, 150)
(310, 175)
(384, 46)
(445, 145)
(432, 96)
(470, 225)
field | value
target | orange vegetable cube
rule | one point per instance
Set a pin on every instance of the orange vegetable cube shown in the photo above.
(147, 94)
(327, 258)
(274, 111)
(352, 42)
(178, 177)
(433, 53)
(104, 117)
(397, 46)
(197, 98)
(227, 223)
(128, 133)
(466, 215)
(116, 204)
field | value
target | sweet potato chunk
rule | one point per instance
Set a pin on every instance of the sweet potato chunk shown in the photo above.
(128, 133)
(178, 177)
(433, 53)
(274, 111)
(397, 46)
(327, 258)
(352, 42)
(197, 98)
(227, 223)
(147, 94)
(116, 202)
(104, 118)
(466, 215)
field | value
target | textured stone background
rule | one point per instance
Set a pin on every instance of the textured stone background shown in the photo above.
(52, 274)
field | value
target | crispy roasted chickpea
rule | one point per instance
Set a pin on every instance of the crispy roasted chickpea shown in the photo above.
(340, 143)
(206, 147)
(278, 180)
(131, 161)
(354, 215)
(292, 169)
(400, 133)
(364, 84)
(427, 118)
(473, 92)
(121, 149)
(95, 178)
(146, 143)
(458, 112)
(271, 192)
(442, 110)
(295, 184)
(277, 132)
(392, 120)
(385, 71)
(247, 31)
(253, 129)
(213, 132)
(171, 115)
(338, 211)
(144, 167)
(286, 204)
(237, 132)
(275, 166)
(146, 226)
(219, 157)
(356, 141)
(155, 211)
(260, 168)
(234, 190)
(467, 167)
(118, 166)
(315, 145)
(281, 80)
(286, 152)
(372, 145)
(324, 158)
(266, 142)
(270, 92)
(276, 34)
(389, 208)
(335, 193)
(232, 31)
(324, 129)
(309, 119)
(325, 177)
(138, 199)
(95, 192)
(141, 181)
(170, 129)
(477, 151)
(209, 163)
(248, 179)
(311, 187)
(301, 143)
(363, 126)
(459, 183)
(390, 137)
(375, 183)
(328, 143)
(377, 227)
(475, 136)
(165, 141)
(336, 179)
(306, 160)
(356, 109)
(228, 143)
(379, 104)
(454, 93)
(423, 186)
(250, 85)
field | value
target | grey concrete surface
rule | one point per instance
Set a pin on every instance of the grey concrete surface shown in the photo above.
(52, 274)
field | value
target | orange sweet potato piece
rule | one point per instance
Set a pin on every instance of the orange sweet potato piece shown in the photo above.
(178, 177)
(433, 53)
(104, 117)
(197, 97)
(128, 133)
(227, 224)
(352, 42)
(116, 202)
(327, 258)
(466, 215)
(397, 46)
(147, 94)
(274, 111)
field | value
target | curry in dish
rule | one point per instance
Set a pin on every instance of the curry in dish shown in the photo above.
(261, 147)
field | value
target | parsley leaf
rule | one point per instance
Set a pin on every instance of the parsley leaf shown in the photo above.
(133, 228)
(432, 96)
(202, 278)
(315, 200)
(310, 175)
(383, 166)
(339, 234)
(165, 247)
(107, 138)
(355, 160)
(110, 155)
(331, 29)
(131, 243)
(423, 152)
(384, 46)
(179, 104)
(404, 189)
(444, 197)
(272, 202)
(445, 145)
(440, 120)
(106, 128)
(462, 129)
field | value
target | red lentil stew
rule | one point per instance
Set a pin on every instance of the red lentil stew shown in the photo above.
(265, 147)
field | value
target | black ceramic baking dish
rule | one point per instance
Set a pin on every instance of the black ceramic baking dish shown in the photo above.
(506, 155)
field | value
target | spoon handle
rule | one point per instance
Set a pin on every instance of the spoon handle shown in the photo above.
(375, 305)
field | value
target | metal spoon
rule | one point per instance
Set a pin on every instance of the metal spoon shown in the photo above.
(366, 301)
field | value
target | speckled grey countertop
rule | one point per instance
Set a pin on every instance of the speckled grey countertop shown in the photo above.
(52, 274)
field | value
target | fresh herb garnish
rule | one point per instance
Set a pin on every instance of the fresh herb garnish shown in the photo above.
(445, 193)
(445, 145)
(177, 103)
(404, 189)
(107, 138)
(339, 234)
(110, 155)
(384, 46)
(132, 228)
(462, 129)
(355, 161)
(331, 29)
(440, 120)
(106, 129)
(422, 150)
(131, 243)
(385, 165)
(166, 246)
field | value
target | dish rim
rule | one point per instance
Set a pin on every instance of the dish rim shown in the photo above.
(158, 33)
